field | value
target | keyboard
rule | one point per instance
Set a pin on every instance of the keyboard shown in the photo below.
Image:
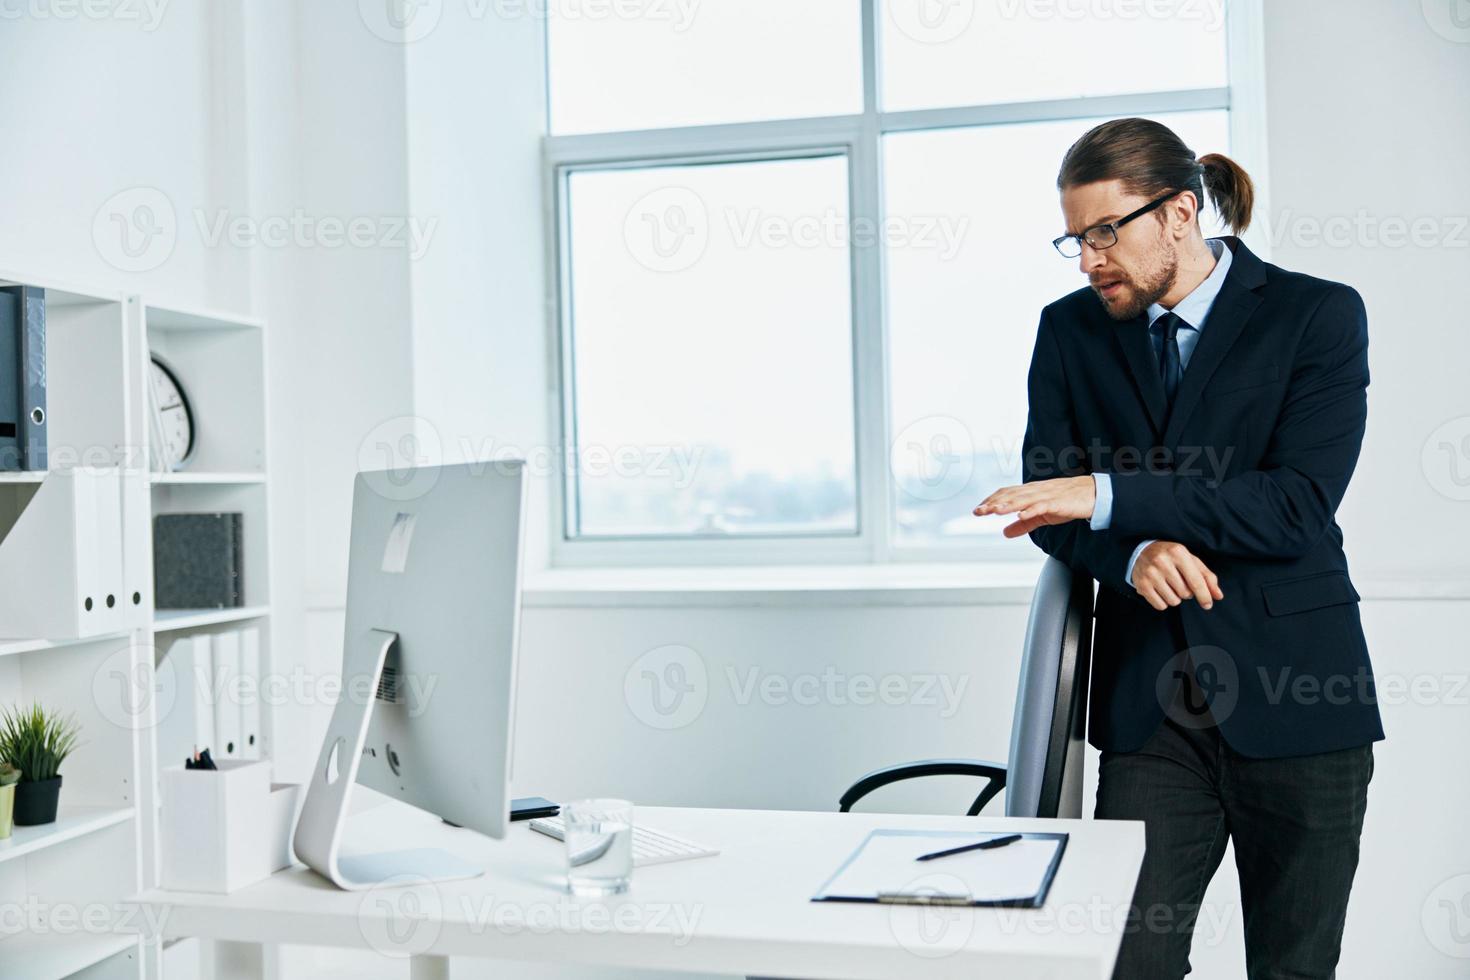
(649, 846)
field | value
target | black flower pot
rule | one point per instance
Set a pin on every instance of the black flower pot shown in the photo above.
(35, 802)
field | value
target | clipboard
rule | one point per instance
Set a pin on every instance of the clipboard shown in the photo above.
(884, 870)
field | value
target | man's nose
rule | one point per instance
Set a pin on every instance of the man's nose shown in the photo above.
(1090, 260)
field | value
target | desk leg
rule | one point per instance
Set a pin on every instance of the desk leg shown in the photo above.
(428, 968)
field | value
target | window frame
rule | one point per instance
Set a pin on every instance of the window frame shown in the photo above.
(859, 137)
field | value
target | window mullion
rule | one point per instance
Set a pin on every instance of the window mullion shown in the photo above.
(870, 380)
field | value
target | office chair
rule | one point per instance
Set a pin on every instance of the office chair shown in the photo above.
(1043, 776)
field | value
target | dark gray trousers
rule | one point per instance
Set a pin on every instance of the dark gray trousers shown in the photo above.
(1295, 824)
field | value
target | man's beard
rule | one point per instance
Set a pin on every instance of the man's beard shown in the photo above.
(1145, 291)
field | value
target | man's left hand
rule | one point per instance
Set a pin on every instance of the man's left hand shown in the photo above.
(1058, 501)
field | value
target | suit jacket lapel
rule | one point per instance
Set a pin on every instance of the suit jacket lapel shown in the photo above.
(1228, 316)
(1132, 337)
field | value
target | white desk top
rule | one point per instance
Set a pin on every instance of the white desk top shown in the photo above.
(744, 912)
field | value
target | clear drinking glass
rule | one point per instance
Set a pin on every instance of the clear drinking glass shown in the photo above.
(599, 838)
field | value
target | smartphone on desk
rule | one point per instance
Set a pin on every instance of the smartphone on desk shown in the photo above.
(528, 807)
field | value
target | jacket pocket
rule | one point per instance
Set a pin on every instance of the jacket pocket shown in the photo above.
(1310, 592)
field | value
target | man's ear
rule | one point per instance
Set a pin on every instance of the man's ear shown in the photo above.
(1183, 211)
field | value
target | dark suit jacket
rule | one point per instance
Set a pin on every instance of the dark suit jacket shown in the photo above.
(1246, 472)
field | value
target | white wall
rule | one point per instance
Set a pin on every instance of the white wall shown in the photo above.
(480, 350)
(96, 107)
(1367, 114)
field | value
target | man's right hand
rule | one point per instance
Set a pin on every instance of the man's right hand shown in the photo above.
(1166, 574)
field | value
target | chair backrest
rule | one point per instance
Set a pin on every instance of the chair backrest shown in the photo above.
(1049, 728)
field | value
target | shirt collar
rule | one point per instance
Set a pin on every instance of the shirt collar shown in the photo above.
(1194, 308)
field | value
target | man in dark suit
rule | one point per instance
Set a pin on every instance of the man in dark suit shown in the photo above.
(1195, 416)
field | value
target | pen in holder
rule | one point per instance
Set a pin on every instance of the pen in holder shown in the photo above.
(224, 828)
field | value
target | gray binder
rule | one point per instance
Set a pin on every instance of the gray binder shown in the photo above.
(197, 561)
(22, 378)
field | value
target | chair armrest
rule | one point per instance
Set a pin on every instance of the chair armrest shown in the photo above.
(994, 771)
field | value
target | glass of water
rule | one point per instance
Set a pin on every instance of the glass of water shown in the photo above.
(599, 837)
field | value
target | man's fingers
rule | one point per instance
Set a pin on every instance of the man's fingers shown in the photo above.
(1214, 581)
(1169, 574)
(1019, 528)
(1148, 592)
(1158, 580)
(1194, 575)
(1010, 499)
(1174, 577)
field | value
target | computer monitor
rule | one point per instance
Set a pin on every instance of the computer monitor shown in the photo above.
(429, 665)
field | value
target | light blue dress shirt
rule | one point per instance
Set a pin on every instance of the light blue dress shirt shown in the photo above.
(1193, 310)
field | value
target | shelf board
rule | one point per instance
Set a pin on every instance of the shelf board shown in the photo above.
(184, 477)
(165, 620)
(21, 645)
(53, 955)
(71, 822)
(62, 293)
(23, 476)
(179, 318)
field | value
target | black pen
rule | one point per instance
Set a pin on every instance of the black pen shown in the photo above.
(984, 845)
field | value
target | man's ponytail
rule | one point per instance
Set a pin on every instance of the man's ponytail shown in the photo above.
(1230, 189)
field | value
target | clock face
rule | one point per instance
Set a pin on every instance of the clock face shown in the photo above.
(175, 415)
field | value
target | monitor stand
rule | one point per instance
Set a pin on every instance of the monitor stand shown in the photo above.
(324, 814)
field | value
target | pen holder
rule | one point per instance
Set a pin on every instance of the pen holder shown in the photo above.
(218, 826)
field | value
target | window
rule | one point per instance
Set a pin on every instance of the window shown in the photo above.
(713, 350)
(644, 64)
(799, 280)
(959, 52)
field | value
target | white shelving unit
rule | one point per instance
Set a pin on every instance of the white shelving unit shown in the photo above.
(103, 846)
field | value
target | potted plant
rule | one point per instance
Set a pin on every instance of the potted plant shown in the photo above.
(36, 742)
(9, 776)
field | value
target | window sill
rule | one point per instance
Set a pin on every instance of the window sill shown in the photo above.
(980, 583)
(894, 584)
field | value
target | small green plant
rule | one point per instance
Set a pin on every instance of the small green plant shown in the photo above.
(9, 775)
(36, 742)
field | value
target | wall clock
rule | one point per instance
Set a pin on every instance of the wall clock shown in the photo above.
(176, 418)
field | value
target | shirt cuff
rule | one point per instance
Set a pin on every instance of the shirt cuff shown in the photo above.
(1102, 510)
(1128, 575)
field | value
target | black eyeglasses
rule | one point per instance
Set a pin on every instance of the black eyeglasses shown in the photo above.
(1106, 235)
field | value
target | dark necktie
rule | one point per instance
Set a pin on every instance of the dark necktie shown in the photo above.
(1166, 329)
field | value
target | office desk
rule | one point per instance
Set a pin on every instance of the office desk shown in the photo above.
(744, 912)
